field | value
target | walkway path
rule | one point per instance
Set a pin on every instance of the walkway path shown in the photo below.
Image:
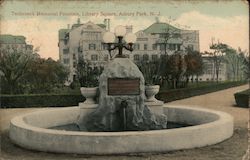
(221, 101)
(231, 149)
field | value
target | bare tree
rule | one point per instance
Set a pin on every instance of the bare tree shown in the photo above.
(217, 56)
(237, 62)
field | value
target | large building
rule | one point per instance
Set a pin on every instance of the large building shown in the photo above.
(162, 38)
(155, 40)
(8, 42)
(81, 39)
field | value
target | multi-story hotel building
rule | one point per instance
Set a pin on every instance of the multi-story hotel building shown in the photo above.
(157, 39)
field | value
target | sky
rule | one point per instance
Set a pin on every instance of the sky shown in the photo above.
(226, 21)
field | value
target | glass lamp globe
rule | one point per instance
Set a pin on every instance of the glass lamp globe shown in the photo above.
(130, 38)
(120, 31)
(108, 37)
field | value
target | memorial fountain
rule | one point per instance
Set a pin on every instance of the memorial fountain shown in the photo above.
(123, 121)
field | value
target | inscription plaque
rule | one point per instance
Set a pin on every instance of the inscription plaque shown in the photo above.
(123, 86)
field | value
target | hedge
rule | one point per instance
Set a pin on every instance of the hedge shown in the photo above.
(172, 95)
(62, 100)
(42, 100)
(242, 98)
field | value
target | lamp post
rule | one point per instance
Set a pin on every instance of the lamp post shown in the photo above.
(120, 33)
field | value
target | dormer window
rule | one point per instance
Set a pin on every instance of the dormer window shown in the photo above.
(92, 46)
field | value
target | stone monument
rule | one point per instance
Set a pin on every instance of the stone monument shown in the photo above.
(121, 101)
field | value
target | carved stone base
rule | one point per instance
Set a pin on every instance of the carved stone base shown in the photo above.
(156, 107)
(121, 111)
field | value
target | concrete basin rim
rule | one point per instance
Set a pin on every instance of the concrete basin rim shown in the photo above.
(223, 118)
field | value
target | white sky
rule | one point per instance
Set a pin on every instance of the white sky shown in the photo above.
(230, 27)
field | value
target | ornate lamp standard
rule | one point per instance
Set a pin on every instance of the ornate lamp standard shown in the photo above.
(120, 33)
(109, 39)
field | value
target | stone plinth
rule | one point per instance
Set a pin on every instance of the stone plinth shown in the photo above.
(122, 108)
(155, 106)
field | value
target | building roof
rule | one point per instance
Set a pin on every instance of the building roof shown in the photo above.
(171, 41)
(62, 33)
(76, 25)
(12, 39)
(159, 27)
(102, 25)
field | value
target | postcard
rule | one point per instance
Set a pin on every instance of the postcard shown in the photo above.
(146, 79)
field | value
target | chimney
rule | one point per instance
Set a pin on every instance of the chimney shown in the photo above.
(107, 24)
(157, 20)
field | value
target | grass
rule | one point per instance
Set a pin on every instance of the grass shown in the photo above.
(168, 95)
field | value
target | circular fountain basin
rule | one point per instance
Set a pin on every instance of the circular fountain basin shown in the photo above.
(32, 131)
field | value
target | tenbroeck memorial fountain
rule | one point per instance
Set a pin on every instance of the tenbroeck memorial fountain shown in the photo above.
(124, 120)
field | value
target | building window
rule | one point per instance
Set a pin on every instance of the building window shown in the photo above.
(176, 35)
(94, 57)
(172, 46)
(154, 57)
(106, 57)
(136, 57)
(65, 41)
(92, 46)
(209, 71)
(136, 46)
(74, 56)
(162, 47)
(66, 51)
(163, 35)
(74, 64)
(66, 61)
(105, 46)
(145, 57)
(178, 47)
(190, 46)
(145, 46)
(220, 71)
(154, 47)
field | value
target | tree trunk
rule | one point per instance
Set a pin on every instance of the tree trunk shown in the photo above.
(187, 80)
(174, 83)
(197, 80)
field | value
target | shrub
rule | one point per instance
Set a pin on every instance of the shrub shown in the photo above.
(62, 100)
(41, 100)
(242, 98)
(175, 94)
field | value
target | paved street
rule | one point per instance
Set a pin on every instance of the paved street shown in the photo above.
(232, 149)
